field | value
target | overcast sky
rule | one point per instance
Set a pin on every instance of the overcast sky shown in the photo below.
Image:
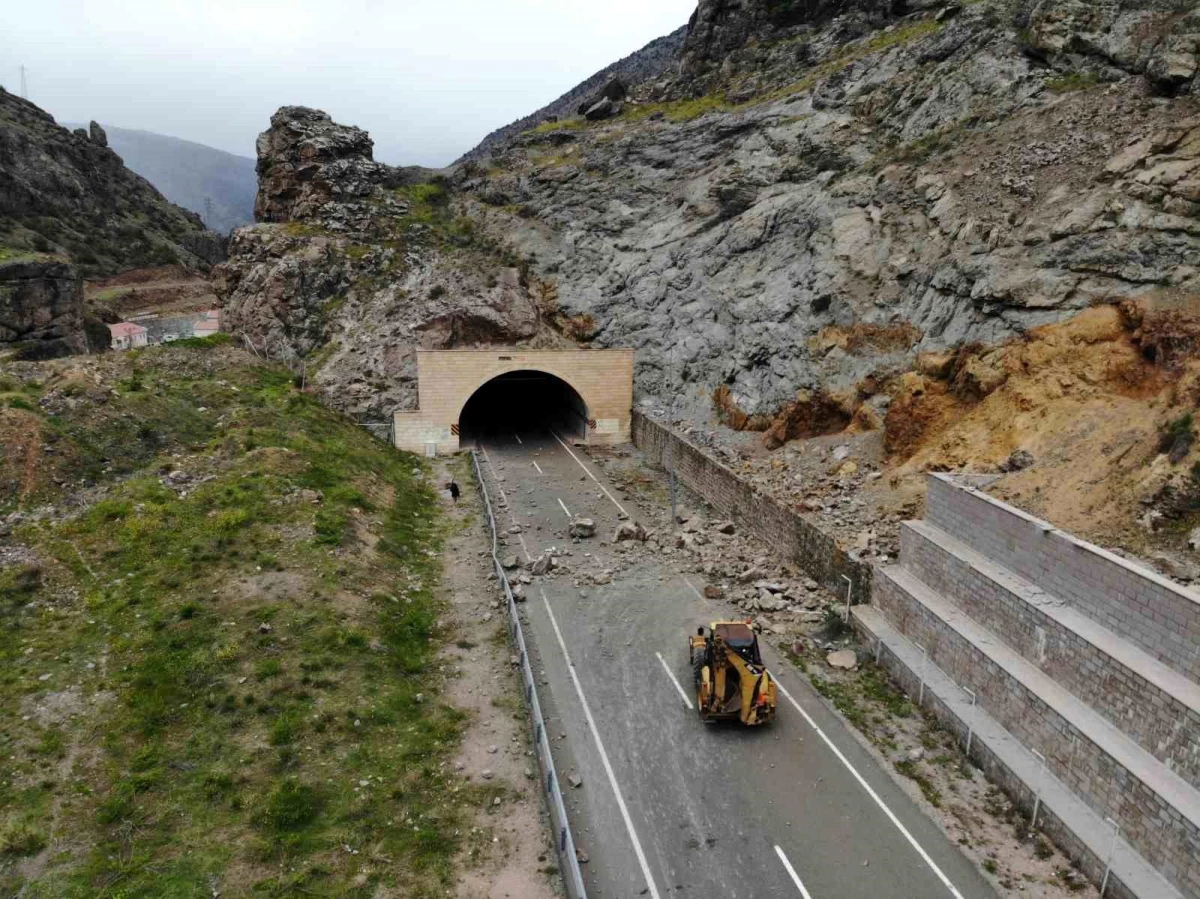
(427, 78)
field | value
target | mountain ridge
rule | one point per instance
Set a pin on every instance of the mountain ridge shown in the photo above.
(188, 173)
(641, 65)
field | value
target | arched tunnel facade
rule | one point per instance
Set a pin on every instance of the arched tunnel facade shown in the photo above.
(467, 395)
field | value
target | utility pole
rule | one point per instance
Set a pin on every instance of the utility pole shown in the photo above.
(24, 85)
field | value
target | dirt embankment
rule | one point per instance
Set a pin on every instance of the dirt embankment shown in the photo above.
(163, 289)
(1089, 422)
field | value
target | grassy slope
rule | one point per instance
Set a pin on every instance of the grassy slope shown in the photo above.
(225, 683)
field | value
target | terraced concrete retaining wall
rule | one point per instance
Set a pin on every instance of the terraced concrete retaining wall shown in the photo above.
(1155, 719)
(780, 527)
(1146, 609)
(1152, 825)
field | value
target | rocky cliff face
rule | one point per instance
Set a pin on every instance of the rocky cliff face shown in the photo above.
(357, 264)
(821, 196)
(822, 192)
(66, 192)
(41, 308)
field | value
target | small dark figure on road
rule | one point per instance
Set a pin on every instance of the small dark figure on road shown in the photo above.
(454, 491)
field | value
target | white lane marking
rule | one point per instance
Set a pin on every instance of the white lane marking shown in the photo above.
(792, 871)
(539, 468)
(675, 681)
(608, 768)
(875, 796)
(488, 460)
(564, 508)
(588, 472)
(699, 595)
(519, 440)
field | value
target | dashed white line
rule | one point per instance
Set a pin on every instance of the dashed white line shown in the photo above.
(564, 508)
(539, 468)
(875, 796)
(608, 768)
(792, 871)
(588, 472)
(675, 681)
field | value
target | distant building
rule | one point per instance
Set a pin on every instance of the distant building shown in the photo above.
(208, 325)
(127, 335)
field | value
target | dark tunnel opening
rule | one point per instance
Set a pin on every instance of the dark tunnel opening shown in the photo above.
(523, 402)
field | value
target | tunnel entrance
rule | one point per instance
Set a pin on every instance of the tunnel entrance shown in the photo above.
(523, 402)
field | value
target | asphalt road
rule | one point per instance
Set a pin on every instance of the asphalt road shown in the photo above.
(669, 806)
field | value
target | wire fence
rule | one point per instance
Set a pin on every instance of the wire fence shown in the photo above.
(564, 842)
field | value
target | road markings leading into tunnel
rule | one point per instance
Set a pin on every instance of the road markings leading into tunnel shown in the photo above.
(608, 768)
(564, 508)
(588, 472)
(511, 515)
(675, 681)
(870, 792)
(699, 595)
(792, 872)
(539, 468)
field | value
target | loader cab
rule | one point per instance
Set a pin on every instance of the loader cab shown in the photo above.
(741, 639)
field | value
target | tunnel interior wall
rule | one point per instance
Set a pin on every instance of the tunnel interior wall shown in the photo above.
(523, 402)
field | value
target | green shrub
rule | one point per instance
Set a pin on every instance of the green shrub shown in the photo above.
(1072, 81)
(291, 806)
(21, 839)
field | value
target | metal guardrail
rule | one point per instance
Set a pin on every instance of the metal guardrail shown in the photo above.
(564, 842)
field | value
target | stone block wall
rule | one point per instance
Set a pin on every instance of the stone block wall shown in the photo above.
(1158, 721)
(1156, 615)
(1154, 827)
(782, 528)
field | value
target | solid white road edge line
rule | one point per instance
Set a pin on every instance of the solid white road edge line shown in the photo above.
(564, 508)
(487, 459)
(675, 681)
(608, 768)
(539, 468)
(870, 792)
(792, 871)
(588, 472)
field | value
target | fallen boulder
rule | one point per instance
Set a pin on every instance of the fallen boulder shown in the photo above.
(629, 530)
(845, 659)
(582, 528)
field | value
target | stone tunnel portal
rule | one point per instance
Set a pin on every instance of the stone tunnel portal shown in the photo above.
(587, 394)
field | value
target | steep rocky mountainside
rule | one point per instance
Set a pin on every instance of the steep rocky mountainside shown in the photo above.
(818, 194)
(648, 63)
(217, 186)
(356, 264)
(68, 193)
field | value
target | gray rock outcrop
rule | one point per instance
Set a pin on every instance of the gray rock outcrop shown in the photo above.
(41, 308)
(357, 264)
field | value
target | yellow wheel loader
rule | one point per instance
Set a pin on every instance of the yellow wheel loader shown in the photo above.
(731, 680)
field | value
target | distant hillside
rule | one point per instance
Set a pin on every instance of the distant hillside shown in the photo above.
(188, 173)
(650, 62)
(67, 192)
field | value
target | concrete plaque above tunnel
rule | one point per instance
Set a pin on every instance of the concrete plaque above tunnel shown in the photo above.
(468, 395)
